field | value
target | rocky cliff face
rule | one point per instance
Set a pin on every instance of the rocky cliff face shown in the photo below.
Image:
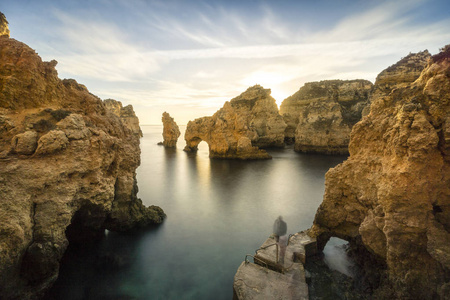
(320, 115)
(247, 122)
(400, 74)
(67, 170)
(171, 132)
(393, 193)
(126, 115)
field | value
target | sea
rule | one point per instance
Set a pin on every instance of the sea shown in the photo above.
(217, 212)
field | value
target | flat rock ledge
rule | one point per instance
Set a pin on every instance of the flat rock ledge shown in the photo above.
(268, 278)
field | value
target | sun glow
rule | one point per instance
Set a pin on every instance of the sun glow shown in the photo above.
(279, 95)
(272, 81)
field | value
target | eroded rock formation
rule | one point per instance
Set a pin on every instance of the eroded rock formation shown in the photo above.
(400, 74)
(126, 114)
(320, 115)
(67, 169)
(171, 132)
(240, 127)
(392, 195)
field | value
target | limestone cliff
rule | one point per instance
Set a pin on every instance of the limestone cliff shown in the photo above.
(67, 170)
(320, 115)
(393, 193)
(243, 124)
(171, 132)
(400, 74)
(126, 114)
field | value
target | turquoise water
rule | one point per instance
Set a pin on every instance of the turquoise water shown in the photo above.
(217, 212)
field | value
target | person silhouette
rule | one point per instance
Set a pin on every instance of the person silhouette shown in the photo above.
(279, 231)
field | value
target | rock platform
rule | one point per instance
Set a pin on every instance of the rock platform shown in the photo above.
(268, 277)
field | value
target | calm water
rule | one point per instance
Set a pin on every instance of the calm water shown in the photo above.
(218, 211)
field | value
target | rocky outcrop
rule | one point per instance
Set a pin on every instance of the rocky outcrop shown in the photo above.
(4, 29)
(67, 170)
(320, 115)
(400, 74)
(240, 127)
(171, 132)
(126, 114)
(392, 195)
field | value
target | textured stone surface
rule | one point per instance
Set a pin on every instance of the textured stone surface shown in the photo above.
(25, 143)
(393, 193)
(320, 115)
(171, 132)
(400, 74)
(67, 170)
(253, 116)
(126, 114)
(4, 29)
(268, 278)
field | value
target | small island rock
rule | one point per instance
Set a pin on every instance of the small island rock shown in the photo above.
(171, 132)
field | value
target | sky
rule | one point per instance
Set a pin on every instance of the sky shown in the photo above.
(189, 57)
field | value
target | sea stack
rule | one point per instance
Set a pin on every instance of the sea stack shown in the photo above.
(171, 132)
(391, 198)
(242, 126)
(320, 115)
(68, 170)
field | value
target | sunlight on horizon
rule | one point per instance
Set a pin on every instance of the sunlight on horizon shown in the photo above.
(188, 58)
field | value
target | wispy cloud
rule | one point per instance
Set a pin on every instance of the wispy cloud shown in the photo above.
(207, 53)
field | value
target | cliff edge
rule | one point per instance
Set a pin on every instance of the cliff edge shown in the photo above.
(392, 196)
(67, 170)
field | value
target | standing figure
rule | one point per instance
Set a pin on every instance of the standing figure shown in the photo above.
(279, 230)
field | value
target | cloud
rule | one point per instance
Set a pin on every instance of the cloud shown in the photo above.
(195, 58)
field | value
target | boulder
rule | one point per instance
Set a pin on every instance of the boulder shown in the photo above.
(25, 143)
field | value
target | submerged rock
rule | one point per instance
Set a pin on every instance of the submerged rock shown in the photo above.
(171, 132)
(240, 127)
(392, 196)
(67, 170)
(320, 115)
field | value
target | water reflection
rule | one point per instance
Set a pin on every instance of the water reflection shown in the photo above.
(218, 211)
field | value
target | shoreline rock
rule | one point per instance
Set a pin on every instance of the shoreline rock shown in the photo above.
(392, 195)
(68, 170)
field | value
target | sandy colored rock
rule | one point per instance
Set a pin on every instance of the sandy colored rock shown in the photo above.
(52, 141)
(126, 114)
(25, 143)
(4, 29)
(171, 132)
(252, 115)
(67, 170)
(320, 115)
(393, 193)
